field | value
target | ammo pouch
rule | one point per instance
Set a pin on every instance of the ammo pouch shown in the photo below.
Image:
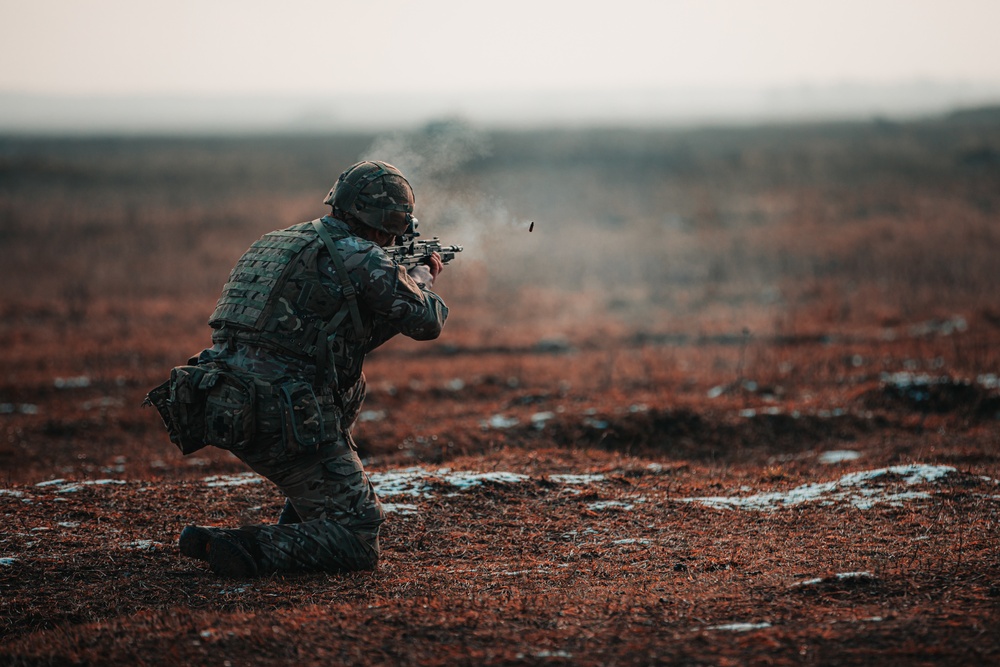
(205, 405)
(292, 409)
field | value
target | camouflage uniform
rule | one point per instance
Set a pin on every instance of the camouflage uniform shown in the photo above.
(272, 327)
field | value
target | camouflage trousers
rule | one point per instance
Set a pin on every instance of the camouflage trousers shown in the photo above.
(332, 514)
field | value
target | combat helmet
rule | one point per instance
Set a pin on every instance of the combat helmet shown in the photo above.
(377, 194)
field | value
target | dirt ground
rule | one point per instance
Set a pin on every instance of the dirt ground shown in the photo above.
(734, 399)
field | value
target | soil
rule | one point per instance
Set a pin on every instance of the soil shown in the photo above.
(764, 432)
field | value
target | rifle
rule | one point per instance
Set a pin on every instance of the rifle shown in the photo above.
(410, 252)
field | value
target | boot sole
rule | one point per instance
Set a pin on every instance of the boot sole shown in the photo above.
(227, 558)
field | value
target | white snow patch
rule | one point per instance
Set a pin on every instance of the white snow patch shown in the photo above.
(840, 576)
(11, 492)
(630, 540)
(142, 545)
(417, 481)
(51, 482)
(499, 421)
(577, 479)
(539, 419)
(7, 561)
(233, 480)
(371, 416)
(68, 524)
(609, 505)
(467, 479)
(838, 456)
(862, 489)
(399, 508)
(739, 627)
(78, 382)
(553, 654)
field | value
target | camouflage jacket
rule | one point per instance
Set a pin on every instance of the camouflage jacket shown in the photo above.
(287, 289)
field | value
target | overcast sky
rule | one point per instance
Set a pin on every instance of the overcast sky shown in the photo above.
(428, 46)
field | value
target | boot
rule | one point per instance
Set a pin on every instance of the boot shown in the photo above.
(234, 553)
(193, 541)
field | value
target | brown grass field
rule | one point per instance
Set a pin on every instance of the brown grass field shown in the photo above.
(732, 400)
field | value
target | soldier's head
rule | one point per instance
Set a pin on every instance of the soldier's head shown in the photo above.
(375, 194)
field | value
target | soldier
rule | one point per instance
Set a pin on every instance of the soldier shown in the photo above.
(300, 311)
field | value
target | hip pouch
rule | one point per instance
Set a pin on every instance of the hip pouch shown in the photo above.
(301, 417)
(205, 405)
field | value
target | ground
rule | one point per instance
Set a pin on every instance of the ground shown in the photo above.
(733, 399)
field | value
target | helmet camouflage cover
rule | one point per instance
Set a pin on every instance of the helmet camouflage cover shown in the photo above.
(376, 193)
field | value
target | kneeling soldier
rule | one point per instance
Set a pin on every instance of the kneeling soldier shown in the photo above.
(282, 384)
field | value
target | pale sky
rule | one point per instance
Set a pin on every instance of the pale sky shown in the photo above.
(96, 47)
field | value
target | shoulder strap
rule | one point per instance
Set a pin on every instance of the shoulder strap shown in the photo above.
(346, 286)
(350, 294)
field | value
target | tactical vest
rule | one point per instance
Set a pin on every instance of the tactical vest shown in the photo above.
(274, 299)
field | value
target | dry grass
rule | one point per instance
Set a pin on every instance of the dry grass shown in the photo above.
(694, 314)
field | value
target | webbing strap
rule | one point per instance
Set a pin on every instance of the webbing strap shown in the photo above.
(350, 294)
(346, 287)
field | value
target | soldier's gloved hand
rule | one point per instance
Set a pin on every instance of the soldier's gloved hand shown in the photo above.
(428, 273)
(422, 275)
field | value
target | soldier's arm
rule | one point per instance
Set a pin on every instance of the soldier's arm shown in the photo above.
(389, 292)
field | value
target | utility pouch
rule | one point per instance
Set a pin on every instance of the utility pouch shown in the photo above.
(229, 412)
(204, 405)
(302, 417)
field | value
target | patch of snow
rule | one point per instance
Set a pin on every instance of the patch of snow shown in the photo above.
(105, 402)
(739, 627)
(78, 382)
(630, 540)
(838, 456)
(862, 489)
(588, 478)
(23, 408)
(7, 561)
(416, 481)
(539, 418)
(748, 413)
(51, 482)
(717, 391)
(233, 480)
(609, 505)
(68, 524)
(142, 545)
(599, 424)
(399, 508)
(499, 421)
(553, 654)
(467, 479)
(11, 492)
(455, 384)
(940, 327)
(371, 416)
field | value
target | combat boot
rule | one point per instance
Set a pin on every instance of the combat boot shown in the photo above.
(193, 541)
(234, 553)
